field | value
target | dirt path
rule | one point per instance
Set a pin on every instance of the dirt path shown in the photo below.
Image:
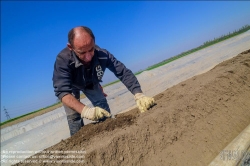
(191, 123)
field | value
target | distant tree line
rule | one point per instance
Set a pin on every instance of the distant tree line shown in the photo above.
(229, 35)
(205, 44)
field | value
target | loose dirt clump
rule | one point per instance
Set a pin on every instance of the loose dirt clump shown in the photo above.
(191, 123)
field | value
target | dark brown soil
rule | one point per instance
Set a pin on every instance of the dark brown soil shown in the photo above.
(191, 123)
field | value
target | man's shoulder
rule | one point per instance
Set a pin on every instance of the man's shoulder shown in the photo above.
(64, 57)
(102, 53)
(65, 52)
(101, 50)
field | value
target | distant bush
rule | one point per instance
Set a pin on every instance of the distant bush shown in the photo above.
(205, 44)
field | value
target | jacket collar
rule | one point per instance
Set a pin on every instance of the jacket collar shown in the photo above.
(95, 60)
(77, 61)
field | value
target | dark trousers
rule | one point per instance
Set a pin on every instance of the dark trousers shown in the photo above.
(96, 97)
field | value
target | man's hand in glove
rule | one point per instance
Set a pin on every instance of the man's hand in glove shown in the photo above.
(94, 113)
(143, 102)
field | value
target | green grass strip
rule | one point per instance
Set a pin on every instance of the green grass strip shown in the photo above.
(10, 120)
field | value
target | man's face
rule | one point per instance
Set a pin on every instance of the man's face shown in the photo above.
(84, 47)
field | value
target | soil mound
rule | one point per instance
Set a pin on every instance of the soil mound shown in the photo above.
(191, 123)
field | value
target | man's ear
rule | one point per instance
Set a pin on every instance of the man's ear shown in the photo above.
(69, 46)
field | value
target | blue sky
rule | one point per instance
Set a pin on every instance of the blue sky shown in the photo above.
(139, 34)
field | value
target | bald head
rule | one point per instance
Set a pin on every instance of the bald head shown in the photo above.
(79, 32)
(81, 40)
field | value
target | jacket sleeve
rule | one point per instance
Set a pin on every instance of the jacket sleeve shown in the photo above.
(62, 77)
(124, 74)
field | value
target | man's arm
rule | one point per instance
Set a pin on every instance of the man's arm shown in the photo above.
(130, 81)
(124, 74)
(73, 103)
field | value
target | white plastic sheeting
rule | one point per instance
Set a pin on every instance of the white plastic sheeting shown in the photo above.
(48, 129)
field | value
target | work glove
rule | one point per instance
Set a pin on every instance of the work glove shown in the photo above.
(94, 113)
(143, 102)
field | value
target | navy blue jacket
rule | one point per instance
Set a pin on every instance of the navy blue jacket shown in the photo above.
(69, 72)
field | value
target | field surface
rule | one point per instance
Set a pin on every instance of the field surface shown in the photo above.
(190, 125)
